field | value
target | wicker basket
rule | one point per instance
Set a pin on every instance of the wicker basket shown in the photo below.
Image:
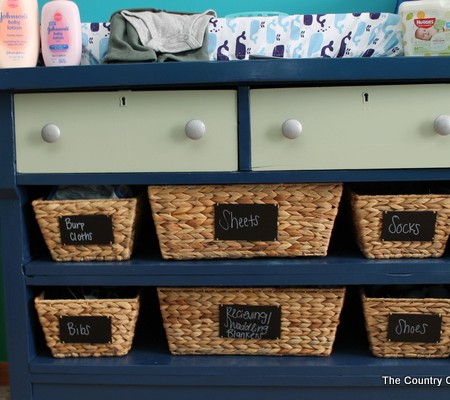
(368, 210)
(184, 219)
(309, 320)
(124, 214)
(377, 312)
(122, 312)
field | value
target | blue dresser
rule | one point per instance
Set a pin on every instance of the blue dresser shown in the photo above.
(345, 120)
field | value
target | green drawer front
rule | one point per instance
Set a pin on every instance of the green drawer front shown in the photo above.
(126, 131)
(350, 127)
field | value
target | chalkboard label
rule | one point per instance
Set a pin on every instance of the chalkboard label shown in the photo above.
(246, 222)
(410, 226)
(85, 329)
(249, 322)
(424, 328)
(86, 229)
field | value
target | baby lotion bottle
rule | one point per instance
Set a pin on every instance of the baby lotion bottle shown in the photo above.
(19, 33)
(61, 37)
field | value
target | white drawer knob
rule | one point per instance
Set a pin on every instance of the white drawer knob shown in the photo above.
(50, 133)
(442, 125)
(195, 129)
(291, 129)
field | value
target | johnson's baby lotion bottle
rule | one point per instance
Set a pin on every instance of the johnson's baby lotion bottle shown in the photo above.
(19, 33)
(61, 37)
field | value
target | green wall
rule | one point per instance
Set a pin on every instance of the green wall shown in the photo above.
(101, 10)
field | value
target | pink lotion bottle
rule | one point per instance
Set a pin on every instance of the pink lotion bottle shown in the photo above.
(19, 33)
(61, 40)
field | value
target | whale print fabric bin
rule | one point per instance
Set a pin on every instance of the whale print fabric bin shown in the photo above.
(281, 36)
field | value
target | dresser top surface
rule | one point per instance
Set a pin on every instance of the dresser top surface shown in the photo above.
(229, 74)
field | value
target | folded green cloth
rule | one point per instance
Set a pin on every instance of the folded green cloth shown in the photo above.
(125, 44)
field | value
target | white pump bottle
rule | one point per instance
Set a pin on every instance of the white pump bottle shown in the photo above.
(61, 39)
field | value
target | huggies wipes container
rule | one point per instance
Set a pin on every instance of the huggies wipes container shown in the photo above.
(426, 27)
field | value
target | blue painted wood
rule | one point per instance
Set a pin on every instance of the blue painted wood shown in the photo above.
(229, 73)
(207, 392)
(7, 178)
(149, 371)
(385, 175)
(244, 127)
(349, 269)
(357, 369)
(20, 343)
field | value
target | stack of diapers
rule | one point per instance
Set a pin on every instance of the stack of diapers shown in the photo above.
(282, 36)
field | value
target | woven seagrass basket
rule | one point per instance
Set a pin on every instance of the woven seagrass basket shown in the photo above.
(122, 312)
(377, 311)
(308, 322)
(367, 214)
(124, 214)
(185, 220)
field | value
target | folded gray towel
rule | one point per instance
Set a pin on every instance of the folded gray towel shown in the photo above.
(132, 32)
(168, 32)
